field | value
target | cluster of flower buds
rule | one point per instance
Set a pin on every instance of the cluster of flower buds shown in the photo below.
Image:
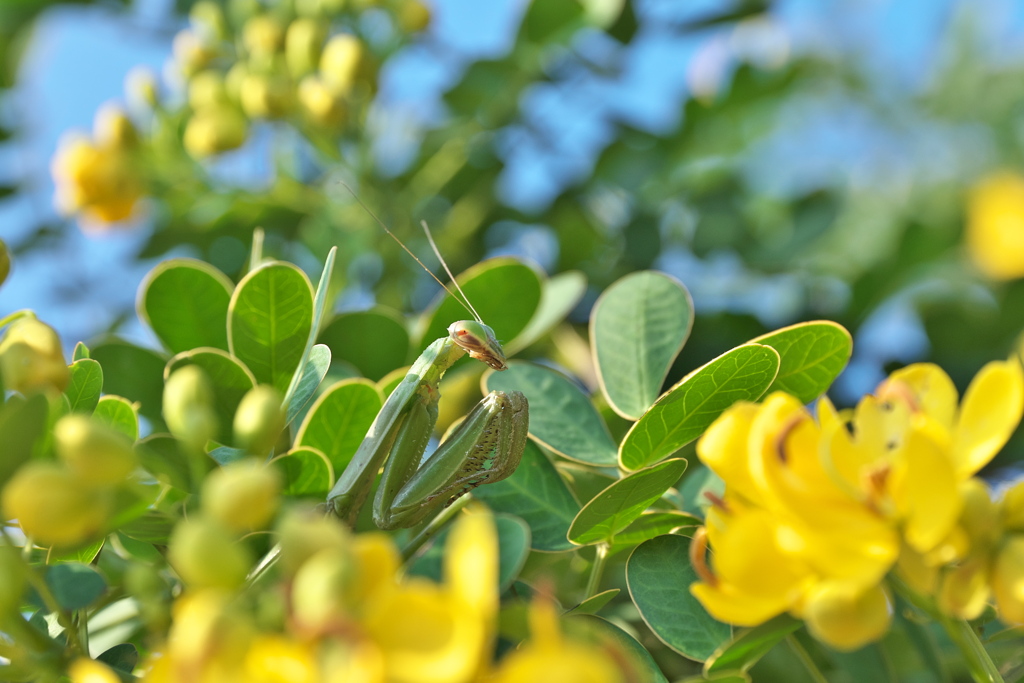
(820, 517)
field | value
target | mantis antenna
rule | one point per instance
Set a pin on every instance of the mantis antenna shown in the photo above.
(430, 238)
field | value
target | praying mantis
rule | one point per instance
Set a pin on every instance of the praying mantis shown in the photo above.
(486, 447)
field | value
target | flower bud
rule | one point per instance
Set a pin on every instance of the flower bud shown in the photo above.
(112, 128)
(13, 578)
(5, 262)
(207, 19)
(964, 589)
(191, 53)
(31, 358)
(1008, 580)
(53, 506)
(320, 588)
(340, 62)
(207, 90)
(321, 104)
(265, 97)
(304, 533)
(979, 517)
(140, 87)
(215, 130)
(205, 555)
(243, 495)
(413, 16)
(303, 44)
(93, 451)
(1012, 507)
(847, 617)
(259, 420)
(84, 670)
(188, 406)
(262, 36)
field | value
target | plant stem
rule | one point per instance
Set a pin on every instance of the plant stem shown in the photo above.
(434, 527)
(979, 663)
(805, 659)
(596, 571)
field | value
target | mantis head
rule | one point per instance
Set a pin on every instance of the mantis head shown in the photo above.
(479, 341)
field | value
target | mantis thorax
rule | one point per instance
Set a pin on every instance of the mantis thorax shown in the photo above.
(479, 342)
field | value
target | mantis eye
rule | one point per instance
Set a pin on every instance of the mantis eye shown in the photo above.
(479, 341)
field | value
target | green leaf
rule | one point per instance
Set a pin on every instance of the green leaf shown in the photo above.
(623, 647)
(747, 648)
(75, 585)
(594, 603)
(319, 306)
(812, 356)
(22, 424)
(185, 302)
(225, 455)
(686, 410)
(307, 473)
(84, 555)
(118, 414)
(489, 286)
(140, 550)
(623, 502)
(316, 369)
(559, 296)
(562, 417)
(638, 327)
(651, 525)
(153, 527)
(83, 390)
(538, 495)
(546, 18)
(340, 418)
(230, 380)
(375, 342)
(81, 351)
(269, 320)
(135, 373)
(658, 574)
(122, 658)
(161, 456)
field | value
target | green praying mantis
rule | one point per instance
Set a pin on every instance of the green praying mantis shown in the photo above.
(486, 447)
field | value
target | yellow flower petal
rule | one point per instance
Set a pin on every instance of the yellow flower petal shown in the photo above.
(728, 605)
(923, 486)
(847, 617)
(964, 589)
(471, 562)
(723, 448)
(930, 388)
(995, 225)
(91, 671)
(991, 411)
(1008, 581)
(277, 659)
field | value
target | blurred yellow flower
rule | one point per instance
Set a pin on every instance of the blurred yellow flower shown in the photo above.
(91, 671)
(99, 182)
(995, 225)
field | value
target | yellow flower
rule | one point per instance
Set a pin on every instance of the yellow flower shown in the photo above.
(31, 358)
(91, 671)
(1008, 580)
(995, 225)
(277, 659)
(99, 182)
(847, 617)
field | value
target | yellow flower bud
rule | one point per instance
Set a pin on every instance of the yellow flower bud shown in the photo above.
(215, 130)
(980, 516)
(322, 589)
(90, 671)
(207, 18)
(302, 45)
(262, 36)
(13, 578)
(53, 506)
(413, 16)
(304, 533)
(100, 182)
(207, 90)
(205, 555)
(847, 617)
(188, 406)
(93, 451)
(995, 225)
(320, 103)
(113, 128)
(279, 658)
(1008, 580)
(964, 589)
(340, 62)
(31, 358)
(1012, 508)
(192, 54)
(140, 87)
(5, 262)
(265, 97)
(243, 495)
(259, 419)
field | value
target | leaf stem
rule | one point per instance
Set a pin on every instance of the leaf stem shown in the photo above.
(979, 663)
(805, 658)
(435, 526)
(596, 571)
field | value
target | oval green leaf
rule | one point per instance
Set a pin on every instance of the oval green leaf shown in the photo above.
(562, 417)
(229, 378)
(623, 502)
(75, 585)
(84, 388)
(688, 408)
(185, 302)
(651, 525)
(659, 575)
(119, 414)
(749, 646)
(135, 373)
(504, 291)
(538, 495)
(307, 473)
(594, 603)
(638, 327)
(559, 295)
(812, 356)
(316, 369)
(336, 424)
(269, 319)
(375, 342)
